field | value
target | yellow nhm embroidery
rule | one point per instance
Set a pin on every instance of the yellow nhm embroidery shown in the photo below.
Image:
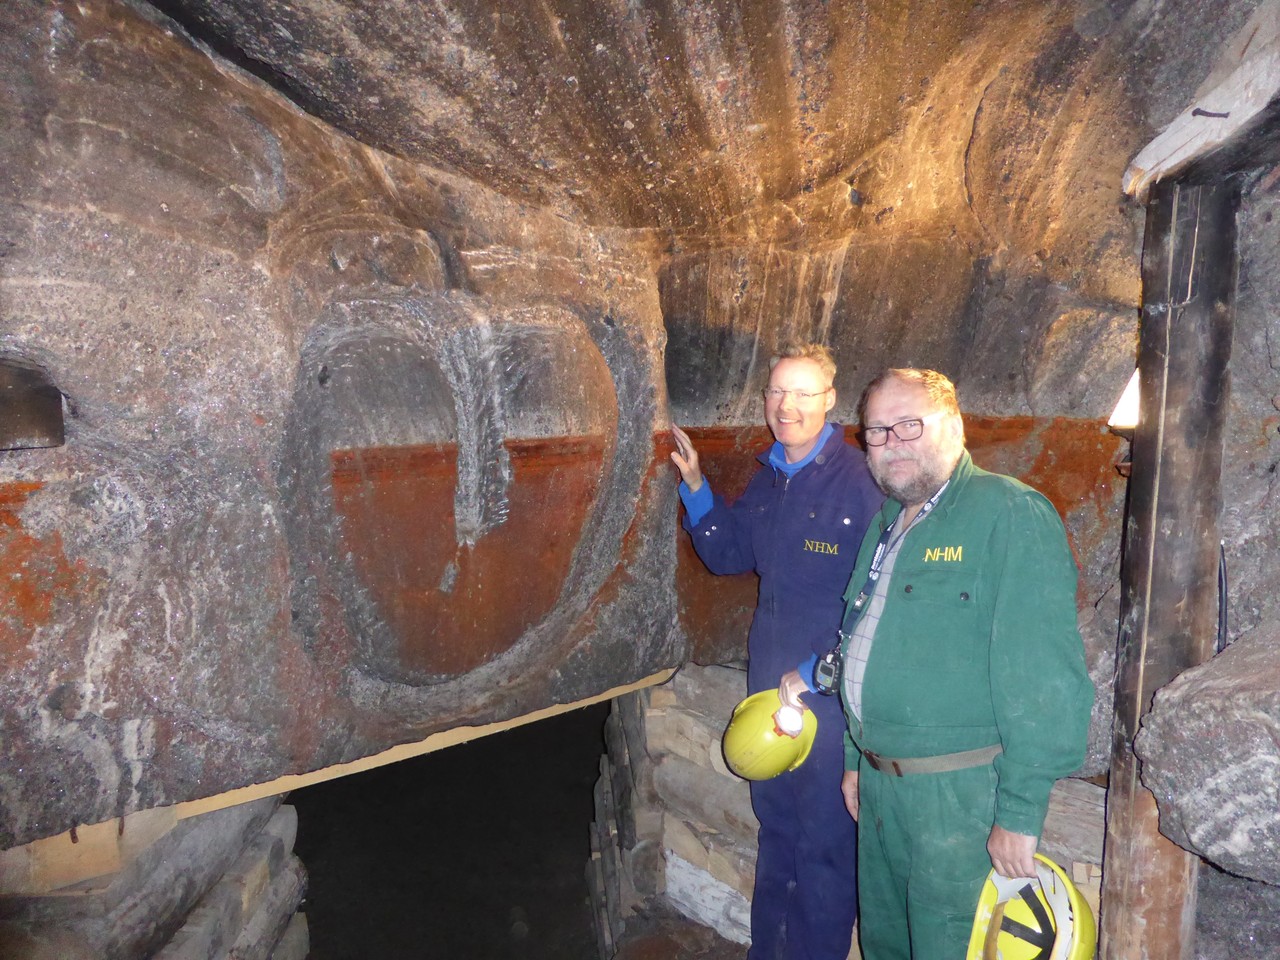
(945, 554)
(817, 546)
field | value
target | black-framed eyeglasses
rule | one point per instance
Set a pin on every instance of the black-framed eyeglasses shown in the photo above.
(905, 430)
(777, 393)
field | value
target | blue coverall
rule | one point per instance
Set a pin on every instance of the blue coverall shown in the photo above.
(800, 534)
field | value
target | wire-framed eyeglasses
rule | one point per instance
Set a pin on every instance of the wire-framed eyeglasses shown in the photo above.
(905, 430)
(800, 396)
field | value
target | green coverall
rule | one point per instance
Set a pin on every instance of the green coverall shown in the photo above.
(977, 645)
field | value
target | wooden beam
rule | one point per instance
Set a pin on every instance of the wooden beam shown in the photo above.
(1234, 123)
(63, 864)
(100, 850)
(1168, 611)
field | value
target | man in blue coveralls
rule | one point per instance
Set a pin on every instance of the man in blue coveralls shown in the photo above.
(798, 526)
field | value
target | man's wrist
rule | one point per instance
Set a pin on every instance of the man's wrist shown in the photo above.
(697, 503)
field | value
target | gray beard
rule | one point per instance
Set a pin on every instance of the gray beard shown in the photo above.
(927, 482)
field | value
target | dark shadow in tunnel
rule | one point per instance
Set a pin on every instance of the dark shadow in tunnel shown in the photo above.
(32, 408)
(476, 851)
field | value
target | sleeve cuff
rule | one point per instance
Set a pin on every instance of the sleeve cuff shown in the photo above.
(697, 504)
(806, 671)
(851, 753)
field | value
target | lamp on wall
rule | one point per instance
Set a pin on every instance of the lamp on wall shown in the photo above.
(1124, 420)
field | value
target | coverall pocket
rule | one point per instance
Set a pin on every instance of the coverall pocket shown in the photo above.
(972, 793)
(944, 616)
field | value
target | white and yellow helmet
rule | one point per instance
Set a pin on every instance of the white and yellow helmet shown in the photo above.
(1042, 919)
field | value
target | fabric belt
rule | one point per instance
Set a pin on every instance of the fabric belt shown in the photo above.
(943, 763)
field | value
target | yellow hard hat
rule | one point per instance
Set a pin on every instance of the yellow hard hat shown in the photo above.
(764, 738)
(1042, 919)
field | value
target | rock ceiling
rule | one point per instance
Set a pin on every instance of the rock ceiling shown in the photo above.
(680, 114)
(675, 114)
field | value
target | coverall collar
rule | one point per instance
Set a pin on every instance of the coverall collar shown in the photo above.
(822, 451)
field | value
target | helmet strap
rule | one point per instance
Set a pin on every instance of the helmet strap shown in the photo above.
(1041, 938)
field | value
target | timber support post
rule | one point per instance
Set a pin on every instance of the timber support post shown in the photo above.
(1169, 573)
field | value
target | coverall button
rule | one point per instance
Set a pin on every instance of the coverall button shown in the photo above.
(907, 588)
(964, 595)
(812, 514)
(820, 458)
(847, 521)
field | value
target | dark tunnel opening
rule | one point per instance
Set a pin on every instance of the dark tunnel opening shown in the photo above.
(477, 851)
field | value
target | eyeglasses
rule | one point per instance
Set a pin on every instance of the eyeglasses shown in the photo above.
(904, 430)
(777, 393)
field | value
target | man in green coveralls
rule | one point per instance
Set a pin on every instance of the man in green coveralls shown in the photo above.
(963, 680)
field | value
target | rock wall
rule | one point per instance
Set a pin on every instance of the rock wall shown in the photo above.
(321, 407)
(369, 320)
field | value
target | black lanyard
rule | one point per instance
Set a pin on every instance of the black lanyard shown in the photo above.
(877, 561)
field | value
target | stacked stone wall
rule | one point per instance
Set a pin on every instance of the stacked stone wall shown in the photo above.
(221, 886)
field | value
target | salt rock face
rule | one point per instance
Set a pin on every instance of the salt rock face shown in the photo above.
(367, 375)
(354, 452)
(1210, 751)
(1236, 919)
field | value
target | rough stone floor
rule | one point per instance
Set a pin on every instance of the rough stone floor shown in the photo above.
(669, 936)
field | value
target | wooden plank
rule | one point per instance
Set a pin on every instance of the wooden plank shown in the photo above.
(437, 741)
(700, 897)
(275, 911)
(154, 895)
(99, 851)
(621, 778)
(1076, 823)
(1232, 126)
(609, 854)
(698, 793)
(600, 913)
(1168, 609)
